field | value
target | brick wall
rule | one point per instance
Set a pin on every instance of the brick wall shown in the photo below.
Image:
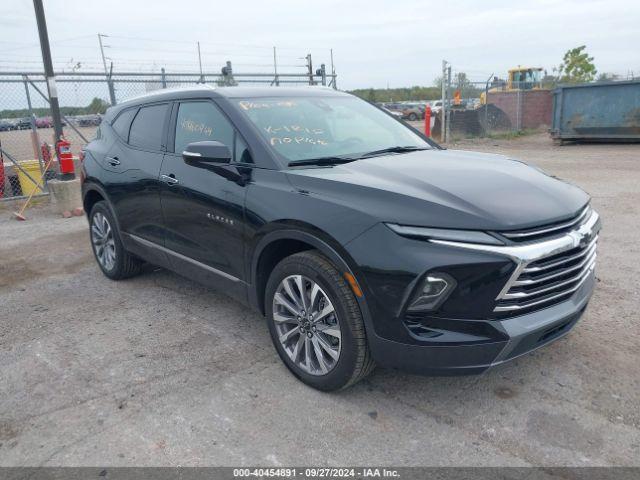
(535, 105)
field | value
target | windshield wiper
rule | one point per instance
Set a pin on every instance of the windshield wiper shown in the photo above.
(396, 149)
(322, 161)
(337, 160)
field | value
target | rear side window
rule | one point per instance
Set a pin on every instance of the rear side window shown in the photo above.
(123, 122)
(146, 129)
(200, 121)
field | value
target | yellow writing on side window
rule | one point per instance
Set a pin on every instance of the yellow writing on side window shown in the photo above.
(196, 127)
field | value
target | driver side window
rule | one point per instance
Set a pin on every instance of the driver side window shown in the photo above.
(201, 121)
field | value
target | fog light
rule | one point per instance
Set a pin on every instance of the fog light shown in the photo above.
(434, 290)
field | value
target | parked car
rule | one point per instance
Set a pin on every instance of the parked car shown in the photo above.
(394, 113)
(23, 124)
(5, 126)
(414, 111)
(407, 111)
(89, 121)
(361, 241)
(44, 122)
(47, 122)
(436, 107)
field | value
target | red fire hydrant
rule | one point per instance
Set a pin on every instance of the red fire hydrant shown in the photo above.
(65, 157)
(427, 121)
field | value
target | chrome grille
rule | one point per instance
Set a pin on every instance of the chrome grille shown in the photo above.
(548, 230)
(548, 269)
(548, 280)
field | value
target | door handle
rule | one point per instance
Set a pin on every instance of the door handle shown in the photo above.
(169, 179)
(113, 161)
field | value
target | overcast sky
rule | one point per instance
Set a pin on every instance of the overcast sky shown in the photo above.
(376, 43)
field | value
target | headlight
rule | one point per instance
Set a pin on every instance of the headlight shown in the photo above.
(434, 289)
(465, 236)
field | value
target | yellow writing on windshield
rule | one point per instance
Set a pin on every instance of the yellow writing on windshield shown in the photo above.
(294, 129)
(297, 141)
(246, 105)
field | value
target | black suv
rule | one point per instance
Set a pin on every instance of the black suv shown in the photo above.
(360, 240)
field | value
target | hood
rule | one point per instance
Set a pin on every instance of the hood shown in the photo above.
(445, 189)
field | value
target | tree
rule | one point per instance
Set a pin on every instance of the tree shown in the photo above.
(397, 94)
(371, 95)
(607, 77)
(461, 81)
(549, 81)
(577, 66)
(97, 105)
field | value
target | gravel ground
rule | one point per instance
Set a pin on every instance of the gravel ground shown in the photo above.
(160, 371)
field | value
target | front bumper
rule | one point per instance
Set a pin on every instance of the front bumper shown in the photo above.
(520, 335)
(466, 334)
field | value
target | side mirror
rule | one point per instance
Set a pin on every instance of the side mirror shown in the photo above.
(208, 152)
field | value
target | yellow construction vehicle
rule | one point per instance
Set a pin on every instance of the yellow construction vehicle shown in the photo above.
(520, 78)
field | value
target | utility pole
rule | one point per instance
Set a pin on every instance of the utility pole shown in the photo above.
(486, 105)
(49, 74)
(323, 74)
(449, 102)
(333, 72)
(310, 68)
(200, 63)
(444, 102)
(104, 61)
(275, 68)
(108, 72)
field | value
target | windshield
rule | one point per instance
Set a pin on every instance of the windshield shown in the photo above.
(303, 128)
(527, 79)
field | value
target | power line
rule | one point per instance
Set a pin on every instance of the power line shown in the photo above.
(35, 45)
(190, 42)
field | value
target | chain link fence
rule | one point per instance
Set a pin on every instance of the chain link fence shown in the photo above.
(26, 126)
(21, 160)
(495, 107)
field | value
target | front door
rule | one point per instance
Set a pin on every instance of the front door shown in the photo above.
(203, 211)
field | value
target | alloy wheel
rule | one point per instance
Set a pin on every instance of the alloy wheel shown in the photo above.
(103, 241)
(307, 325)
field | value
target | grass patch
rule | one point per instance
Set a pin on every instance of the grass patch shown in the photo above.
(512, 134)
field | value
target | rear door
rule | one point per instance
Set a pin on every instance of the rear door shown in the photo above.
(203, 211)
(134, 163)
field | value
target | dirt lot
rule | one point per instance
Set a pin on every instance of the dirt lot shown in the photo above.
(160, 371)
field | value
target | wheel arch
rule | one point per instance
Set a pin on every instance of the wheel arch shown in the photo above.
(91, 194)
(289, 238)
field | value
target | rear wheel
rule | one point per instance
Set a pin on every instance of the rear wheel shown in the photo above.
(316, 324)
(114, 261)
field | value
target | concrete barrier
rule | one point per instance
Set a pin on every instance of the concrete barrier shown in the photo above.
(66, 196)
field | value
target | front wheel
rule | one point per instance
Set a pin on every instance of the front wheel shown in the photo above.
(316, 324)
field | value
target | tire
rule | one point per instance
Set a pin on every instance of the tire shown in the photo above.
(306, 337)
(114, 261)
(413, 117)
